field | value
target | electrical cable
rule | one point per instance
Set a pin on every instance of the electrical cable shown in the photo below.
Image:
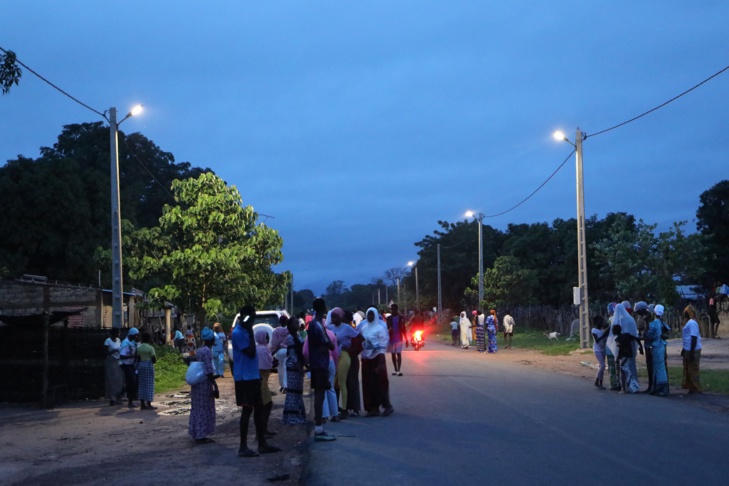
(534, 192)
(56, 87)
(126, 144)
(659, 106)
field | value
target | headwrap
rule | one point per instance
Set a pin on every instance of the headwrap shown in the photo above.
(133, 331)
(338, 311)
(659, 310)
(207, 334)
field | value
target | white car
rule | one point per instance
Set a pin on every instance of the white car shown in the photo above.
(264, 320)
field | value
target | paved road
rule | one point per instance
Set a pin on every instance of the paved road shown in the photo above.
(463, 418)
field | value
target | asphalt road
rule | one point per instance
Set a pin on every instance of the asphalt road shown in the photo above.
(462, 418)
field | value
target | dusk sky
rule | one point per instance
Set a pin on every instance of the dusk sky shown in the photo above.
(359, 125)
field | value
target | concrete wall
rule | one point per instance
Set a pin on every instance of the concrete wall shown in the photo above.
(25, 298)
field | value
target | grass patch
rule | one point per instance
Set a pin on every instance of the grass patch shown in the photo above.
(531, 339)
(169, 370)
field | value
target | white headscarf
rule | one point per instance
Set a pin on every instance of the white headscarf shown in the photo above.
(464, 321)
(625, 320)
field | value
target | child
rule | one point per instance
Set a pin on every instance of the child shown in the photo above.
(628, 382)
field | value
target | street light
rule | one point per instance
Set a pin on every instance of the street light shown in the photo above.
(580, 294)
(417, 292)
(116, 241)
(479, 217)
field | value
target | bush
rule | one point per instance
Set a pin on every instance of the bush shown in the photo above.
(169, 369)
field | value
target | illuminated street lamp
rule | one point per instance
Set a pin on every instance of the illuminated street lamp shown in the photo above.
(417, 292)
(580, 293)
(479, 217)
(116, 241)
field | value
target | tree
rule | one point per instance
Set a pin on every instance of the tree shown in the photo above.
(713, 222)
(10, 73)
(506, 284)
(210, 249)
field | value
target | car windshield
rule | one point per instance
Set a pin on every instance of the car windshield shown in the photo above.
(271, 320)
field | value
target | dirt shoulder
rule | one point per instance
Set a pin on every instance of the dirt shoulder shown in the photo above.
(92, 443)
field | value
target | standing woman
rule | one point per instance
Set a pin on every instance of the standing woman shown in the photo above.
(294, 412)
(203, 395)
(465, 326)
(354, 400)
(656, 336)
(492, 327)
(114, 378)
(480, 333)
(265, 363)
(278, 349)
(344, 334)
(691, 352)
(219, 349)
(145, 370)
(128, 353)
(599, 336)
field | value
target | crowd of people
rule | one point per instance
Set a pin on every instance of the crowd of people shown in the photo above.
(630, 330)
(129, 369)
(482, 330)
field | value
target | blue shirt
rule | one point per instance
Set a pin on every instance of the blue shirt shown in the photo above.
(344, 333)
(244, 366)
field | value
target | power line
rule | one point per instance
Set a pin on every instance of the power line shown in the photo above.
(56, 87)
(659, 106)
(534, 192)
(126, 144)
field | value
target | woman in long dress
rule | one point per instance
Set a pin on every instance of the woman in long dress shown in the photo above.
(480, 333)
(113, 376)
(202, 396)
(657, 333)
(465, 326)
(492, 327)
(294, 412)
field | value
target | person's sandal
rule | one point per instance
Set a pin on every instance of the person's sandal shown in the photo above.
(247, 453)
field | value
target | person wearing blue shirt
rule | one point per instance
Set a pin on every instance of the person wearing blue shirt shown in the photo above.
(248, 383)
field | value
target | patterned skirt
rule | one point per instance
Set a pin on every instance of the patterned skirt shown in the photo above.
(492, 347)
(145, 374)
(294, 412)
(202, 410)
(480, 339)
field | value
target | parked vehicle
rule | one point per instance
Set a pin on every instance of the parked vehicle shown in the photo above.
(266, 319)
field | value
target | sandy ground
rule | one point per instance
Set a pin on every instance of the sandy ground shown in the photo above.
(92, 443)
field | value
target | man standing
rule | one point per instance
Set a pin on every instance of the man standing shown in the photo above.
(248, 384)
(319, 347)
(397, 332)
(128, 354)
(508, 330)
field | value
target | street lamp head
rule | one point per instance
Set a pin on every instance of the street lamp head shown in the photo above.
(470, 214)
(559, 135)
(411, 263)
(136, 110)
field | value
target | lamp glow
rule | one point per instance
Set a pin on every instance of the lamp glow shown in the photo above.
(559, 135)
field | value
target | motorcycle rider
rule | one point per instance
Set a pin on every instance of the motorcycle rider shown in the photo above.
(417, 323)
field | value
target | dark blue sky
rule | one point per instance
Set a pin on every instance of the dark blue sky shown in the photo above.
(358, 125)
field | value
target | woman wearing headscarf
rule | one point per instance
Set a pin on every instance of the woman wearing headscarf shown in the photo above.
(344, 334)
(219, 349)
(294, 412)
(203, 395)
(329, 407)
(265, 363)
(354, 400)
(599, 336)
(628, 326)
(145, 372)
(278, 349)
(656, 335)
(480, 332)
(492, 328)
(691, 352)
(113, 375)
(465, 326)
(375, 383)
(611, 349)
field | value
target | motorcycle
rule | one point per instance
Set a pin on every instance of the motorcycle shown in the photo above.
(418, 339)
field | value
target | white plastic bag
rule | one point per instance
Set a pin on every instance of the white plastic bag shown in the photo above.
(195, 373)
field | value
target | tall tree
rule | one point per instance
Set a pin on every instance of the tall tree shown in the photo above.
(10, 73)
(210, 249)
(713, 222)
(506, 284)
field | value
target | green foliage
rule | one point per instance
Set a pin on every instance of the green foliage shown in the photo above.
(506, 284)
(209, 250)
(169, 369)
(10, 73)
(713, 223)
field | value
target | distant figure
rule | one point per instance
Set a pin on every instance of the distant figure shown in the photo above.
(319, 348)
(465, 326)
(294, 412)
(179, 340)
(145, 372)
(508, 330)
(114, 377)
(658, 332)
(480, 322)
(265, 364)
(219, 349)
(278, 349)
(492, 328)
(128, 353)
(203, 395)
(344, 333)
(713, 317)
(397, 332)
(599, 335)
(354, 399)
(455, 332)
(691, 352)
